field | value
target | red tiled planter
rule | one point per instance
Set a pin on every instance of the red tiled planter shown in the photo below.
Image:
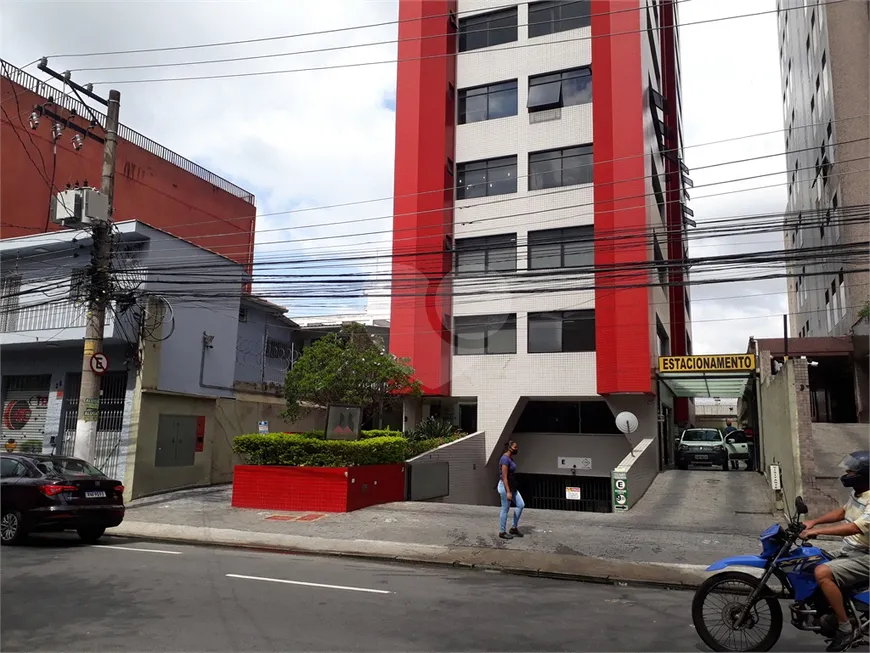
(317, 489)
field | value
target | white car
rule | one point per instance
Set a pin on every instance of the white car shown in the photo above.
(738, 449)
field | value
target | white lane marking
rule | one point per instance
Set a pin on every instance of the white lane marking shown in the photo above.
(118, 547)
(299, 582)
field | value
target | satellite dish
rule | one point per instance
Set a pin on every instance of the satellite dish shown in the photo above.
(626, 422)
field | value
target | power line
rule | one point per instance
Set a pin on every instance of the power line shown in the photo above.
(437, 56)
(286, 36)
(340, 47)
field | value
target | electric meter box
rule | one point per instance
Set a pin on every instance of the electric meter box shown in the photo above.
(79, 207)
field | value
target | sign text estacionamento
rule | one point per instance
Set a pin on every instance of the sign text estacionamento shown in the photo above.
(703, 364)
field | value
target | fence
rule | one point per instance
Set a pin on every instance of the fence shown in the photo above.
(18, 76)
(110, 421)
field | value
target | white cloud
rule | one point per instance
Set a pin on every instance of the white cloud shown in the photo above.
(327, 137)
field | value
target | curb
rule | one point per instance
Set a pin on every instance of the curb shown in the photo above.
(511, 561)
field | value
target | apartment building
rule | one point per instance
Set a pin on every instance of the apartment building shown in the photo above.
(539, 228)
(824, 59)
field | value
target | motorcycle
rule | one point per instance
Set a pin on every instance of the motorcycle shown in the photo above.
(792, 565)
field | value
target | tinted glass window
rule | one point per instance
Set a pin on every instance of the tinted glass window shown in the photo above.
(11, 468)
(562, 332)
(488, 102)
(485, 334)
(486, 254)
(564, 89)
(557, 16)
(555, 168)
(702, 435)
(68, 467)
(486, 178)
(485, 30)
(562, 248)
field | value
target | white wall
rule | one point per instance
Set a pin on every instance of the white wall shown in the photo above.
(539, 452)
(498, 381)
(469, 483)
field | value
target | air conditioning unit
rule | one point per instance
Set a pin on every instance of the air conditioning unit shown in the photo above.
(79, 207)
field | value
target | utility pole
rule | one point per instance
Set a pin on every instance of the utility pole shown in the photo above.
(99, 294)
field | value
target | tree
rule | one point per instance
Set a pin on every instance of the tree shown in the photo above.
(350, 367)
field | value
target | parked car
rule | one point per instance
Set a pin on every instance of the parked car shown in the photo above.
(702, 447)
(47, 493)
(739, 448)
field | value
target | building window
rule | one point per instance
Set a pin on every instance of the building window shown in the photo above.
(485, 30)
(564, 89)
(657, 185)
(10, 292)
(564, 167)
(486, 178)
(663, 340)
(561, 332)
(485, 334)
(552, 17)
(572, 247)
(661, 265)
(486, 254)
(488, 102)
(835, 303)
(828, 312)
(841, 291)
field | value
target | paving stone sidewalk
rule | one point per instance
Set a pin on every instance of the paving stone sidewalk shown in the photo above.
(697, 533)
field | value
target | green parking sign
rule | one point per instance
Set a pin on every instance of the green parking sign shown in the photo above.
(620, 491)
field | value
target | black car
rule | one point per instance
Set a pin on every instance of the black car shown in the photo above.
(47, 493)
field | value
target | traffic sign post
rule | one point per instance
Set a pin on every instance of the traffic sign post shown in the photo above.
(620, 491)
(99, 364)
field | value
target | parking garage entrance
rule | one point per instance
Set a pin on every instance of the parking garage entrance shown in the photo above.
(720, 376)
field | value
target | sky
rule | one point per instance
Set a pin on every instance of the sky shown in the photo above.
(304, 140)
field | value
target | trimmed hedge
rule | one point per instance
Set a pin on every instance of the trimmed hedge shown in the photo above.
(304, 450)
(363, 435)
(301, 451)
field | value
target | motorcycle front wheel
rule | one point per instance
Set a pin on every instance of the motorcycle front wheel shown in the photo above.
(716, 610)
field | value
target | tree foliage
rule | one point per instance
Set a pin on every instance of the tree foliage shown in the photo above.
(350, 367)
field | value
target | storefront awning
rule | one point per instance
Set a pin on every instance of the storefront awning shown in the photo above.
(713, 386)
(711, 376)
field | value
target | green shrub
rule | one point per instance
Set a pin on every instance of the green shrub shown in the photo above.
(431, 428)
(380, 433)
(302, 451)
(306, 450)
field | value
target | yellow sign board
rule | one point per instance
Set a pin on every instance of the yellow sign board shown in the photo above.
(713, 363)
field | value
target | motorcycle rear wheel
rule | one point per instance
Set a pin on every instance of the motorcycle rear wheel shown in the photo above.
(749, 583)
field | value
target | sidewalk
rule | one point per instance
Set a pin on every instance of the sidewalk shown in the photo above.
(645, 544)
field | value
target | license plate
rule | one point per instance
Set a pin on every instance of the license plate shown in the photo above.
(98, 494)
(700, 457)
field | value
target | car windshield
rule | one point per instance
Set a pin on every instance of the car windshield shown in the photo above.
(702, 435)
(67, 467)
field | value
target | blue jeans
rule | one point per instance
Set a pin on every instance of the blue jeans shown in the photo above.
(506, 506)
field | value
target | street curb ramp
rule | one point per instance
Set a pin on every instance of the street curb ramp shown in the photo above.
(516, 561)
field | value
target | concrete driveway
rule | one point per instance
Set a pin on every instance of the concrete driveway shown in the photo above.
(705, 501)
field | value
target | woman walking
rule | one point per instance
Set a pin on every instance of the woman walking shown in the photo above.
(507, 489)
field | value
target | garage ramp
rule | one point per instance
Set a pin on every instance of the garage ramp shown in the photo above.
(707, 501)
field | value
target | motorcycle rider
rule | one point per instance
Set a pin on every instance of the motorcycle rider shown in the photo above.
(852, 564)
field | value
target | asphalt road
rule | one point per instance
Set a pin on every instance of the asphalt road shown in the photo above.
(142, 596)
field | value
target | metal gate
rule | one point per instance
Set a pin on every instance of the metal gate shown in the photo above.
(549, 492)
(110, 420)
(25, 404)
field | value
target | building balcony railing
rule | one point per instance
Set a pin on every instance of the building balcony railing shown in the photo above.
(64, 315)
(18, 76)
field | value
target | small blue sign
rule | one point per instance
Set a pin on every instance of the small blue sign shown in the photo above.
(263, 427)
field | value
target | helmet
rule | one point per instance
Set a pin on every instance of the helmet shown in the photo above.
(857, 468)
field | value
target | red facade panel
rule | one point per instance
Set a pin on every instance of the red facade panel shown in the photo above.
(423, 205)
(323, 489)
(147, 187)
(622, 314)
